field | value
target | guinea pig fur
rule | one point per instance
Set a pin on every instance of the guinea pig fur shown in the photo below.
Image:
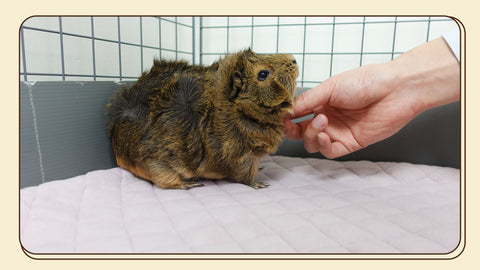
(180, 123)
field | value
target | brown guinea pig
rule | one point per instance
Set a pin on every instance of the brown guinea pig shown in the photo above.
(180, 123)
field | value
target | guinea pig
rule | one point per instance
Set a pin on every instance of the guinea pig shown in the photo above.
(180, 123)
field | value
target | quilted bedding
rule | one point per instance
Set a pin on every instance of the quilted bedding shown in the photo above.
(311, 206)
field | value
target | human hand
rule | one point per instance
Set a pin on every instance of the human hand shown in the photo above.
(362, 106)
(351, 110)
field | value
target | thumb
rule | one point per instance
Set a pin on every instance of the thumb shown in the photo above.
(310, 137)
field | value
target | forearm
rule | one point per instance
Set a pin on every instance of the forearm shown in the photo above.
(429, 74)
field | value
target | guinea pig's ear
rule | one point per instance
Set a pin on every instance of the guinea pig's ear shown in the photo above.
(237, 84)
(249, 53)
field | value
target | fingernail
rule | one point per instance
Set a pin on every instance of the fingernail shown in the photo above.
(319, 121)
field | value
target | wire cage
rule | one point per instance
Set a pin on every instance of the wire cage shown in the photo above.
(61, 122)
(121, 48)
(100, 48)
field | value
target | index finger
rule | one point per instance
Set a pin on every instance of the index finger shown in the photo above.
(307, 101)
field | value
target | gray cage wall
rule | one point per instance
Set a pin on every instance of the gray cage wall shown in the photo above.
(69, 66)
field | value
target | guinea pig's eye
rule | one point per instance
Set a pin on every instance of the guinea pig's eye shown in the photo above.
(263, 74)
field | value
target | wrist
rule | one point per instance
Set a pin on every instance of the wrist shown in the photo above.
(428, 75)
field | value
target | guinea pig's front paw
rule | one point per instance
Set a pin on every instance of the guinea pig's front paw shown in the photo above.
(191, 184)
(259, 185)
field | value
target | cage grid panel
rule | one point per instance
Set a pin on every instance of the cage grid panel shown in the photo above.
(42, 46)
(345, 45)
(121, 48)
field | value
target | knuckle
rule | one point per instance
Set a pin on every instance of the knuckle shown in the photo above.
(309, 147)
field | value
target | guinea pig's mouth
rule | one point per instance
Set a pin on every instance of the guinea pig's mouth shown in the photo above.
(284, 106)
